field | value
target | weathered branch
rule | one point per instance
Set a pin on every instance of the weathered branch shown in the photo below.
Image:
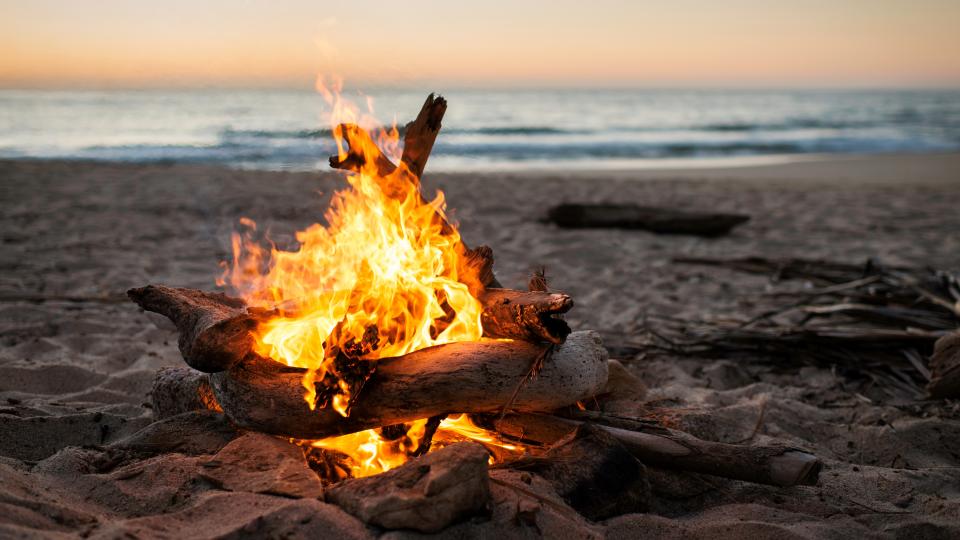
(470, 377)
(420, 134)
(215, 329)
(662, 447)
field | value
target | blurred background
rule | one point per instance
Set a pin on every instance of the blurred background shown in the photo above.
(532, 85)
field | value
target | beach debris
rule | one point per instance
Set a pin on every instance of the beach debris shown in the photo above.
(868, 320)
(425, 494)
(631, 216)
(659, 446)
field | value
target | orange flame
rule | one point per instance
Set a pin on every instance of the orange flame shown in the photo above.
(369, 453)
(383, 263)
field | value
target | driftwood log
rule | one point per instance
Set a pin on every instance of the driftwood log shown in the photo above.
(472, 377)
(215, 329)
(631, 216)
(662, 447)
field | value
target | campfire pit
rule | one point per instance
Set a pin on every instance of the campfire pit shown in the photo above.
(403, 331)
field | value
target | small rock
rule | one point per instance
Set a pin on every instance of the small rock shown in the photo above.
(258, 463)
(425, 494)
(192, 433)
(622, 384)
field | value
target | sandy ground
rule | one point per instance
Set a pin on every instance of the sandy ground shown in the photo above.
(77, 360)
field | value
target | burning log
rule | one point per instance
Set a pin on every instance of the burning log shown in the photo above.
(215, 329)
(472, 377)
(662, 447)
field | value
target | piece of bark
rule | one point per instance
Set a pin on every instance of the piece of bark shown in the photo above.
(945, 367)
(215, 329)
(259, 463)
(662, 447)
(630, 216)
(177, 390)
(425, 494)
(530, 316)
(593, 472)
(267, 396)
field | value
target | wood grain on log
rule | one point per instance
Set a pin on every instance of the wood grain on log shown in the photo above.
(469, 377)
(662, 447)
(630, 216)
(177, 390)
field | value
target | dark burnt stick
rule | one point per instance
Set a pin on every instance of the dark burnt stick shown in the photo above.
(419, 135)
(662, 447)
(215, 329)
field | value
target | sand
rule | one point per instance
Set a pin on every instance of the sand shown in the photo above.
(77, 360)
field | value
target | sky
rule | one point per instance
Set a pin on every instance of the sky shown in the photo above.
(584, 43)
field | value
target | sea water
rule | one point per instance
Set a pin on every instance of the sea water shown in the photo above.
(483, 129)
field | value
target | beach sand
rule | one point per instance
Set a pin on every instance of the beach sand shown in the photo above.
(77, 360)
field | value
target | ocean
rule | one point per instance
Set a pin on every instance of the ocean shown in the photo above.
(484, 130)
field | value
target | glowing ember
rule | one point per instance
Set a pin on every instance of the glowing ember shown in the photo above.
(368, 453)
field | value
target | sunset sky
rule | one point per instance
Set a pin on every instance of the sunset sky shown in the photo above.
(132, 43)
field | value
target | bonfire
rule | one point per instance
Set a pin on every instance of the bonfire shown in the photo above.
(384, 338)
